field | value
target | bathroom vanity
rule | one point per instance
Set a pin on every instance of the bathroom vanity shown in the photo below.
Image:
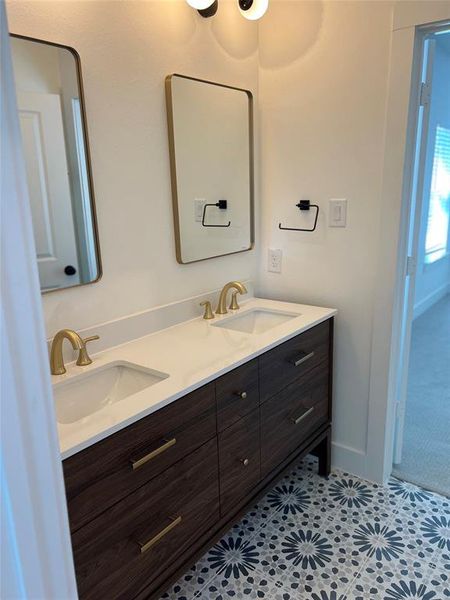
(150, 497)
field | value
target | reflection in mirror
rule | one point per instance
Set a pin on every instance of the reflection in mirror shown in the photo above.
(51, 113)
(211, 148)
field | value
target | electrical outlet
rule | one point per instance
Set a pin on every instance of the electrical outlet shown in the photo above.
(274, 260)
(199, 204)
(338, 212)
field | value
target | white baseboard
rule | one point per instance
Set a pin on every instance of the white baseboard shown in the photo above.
(349, 459)
(431, 299)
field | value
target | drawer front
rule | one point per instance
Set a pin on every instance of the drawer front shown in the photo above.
(239, 460)
(103, 474)
(291, 416)
(123, 550)
(237, 394)
(289, 361)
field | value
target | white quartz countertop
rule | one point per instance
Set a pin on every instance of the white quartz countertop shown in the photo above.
(192, 354)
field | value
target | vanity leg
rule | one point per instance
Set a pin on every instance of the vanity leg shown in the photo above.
(323, 452)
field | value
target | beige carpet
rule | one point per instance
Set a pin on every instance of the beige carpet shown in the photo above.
(426, 442)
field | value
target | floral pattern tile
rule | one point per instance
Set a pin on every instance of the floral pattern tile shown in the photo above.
(190, 583)
(289, 499)
(254, 586)
(423, 536)
(308, 554)
(406, 578)
(440, 576)
(375, 539)
(340, 538)
(418, 502)
(351, 499)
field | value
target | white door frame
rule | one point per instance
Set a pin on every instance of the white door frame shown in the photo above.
(420, 98)
(413, 197)
(394, 231)
(36, 557)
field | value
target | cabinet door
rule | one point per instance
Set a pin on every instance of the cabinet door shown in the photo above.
(237, 394)
(124, 549)
(239, 460)
(288, 418)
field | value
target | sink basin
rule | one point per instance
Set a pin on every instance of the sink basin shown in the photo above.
(88, 393)
(257, 320)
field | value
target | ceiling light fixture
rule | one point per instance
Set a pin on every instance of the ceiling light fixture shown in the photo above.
(253, 9)
(207, 8)
(250, 9)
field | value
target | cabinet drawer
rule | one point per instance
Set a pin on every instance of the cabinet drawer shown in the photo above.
(101, 475)
(237, 394)
(239, 460)
(288, 418)
(282, 365)
(121, 551)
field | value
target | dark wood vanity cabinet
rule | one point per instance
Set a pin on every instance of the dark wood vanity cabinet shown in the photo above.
(145, 502)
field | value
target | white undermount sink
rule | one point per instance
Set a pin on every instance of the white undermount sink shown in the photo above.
(256, 320)
(90, 392)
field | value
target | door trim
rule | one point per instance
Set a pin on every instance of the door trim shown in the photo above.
(400, 135)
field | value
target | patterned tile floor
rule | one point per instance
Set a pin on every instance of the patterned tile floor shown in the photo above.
(340, 538)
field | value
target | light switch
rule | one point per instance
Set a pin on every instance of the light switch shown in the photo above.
(337, 212)
(199, 204)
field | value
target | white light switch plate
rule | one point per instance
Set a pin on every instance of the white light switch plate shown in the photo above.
(199, 203)
(274, 260)
(337, 212)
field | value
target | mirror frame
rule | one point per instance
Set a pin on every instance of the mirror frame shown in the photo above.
(173, 169)
(77, 59)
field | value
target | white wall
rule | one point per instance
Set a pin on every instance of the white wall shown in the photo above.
(127, 49)
(433, 279)
(323, 86)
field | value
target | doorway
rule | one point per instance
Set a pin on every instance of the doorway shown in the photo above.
(422, 429)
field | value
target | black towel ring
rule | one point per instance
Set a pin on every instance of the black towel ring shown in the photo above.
(222, 204)
(303, 205)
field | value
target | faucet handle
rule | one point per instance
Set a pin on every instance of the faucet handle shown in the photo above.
(83, 356)
(208, 314)
(234, 303)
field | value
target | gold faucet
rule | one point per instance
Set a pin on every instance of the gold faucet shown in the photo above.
(78, 343)
(222, 305)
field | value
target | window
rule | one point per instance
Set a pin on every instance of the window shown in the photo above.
(438, 212)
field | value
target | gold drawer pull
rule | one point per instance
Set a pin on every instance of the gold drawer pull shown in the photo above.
(297, 362)
(303, 416)
(242, 395)
(136, 463)
(144, 546)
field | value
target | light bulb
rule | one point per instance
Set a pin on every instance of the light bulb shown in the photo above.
(200, 4)
(253, 9)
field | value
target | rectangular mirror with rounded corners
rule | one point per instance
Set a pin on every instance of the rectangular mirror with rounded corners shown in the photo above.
(54, 135)
(211, 158)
